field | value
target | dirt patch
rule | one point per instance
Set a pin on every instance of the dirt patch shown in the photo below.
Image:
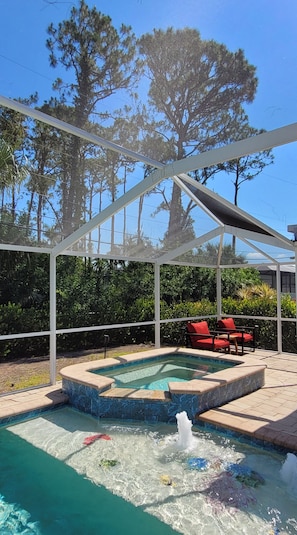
(26, 373)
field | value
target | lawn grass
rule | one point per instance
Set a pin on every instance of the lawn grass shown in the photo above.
(31, 373)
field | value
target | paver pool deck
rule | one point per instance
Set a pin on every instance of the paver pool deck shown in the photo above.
(269, 414)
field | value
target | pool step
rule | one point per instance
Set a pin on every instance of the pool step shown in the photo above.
(131, 393)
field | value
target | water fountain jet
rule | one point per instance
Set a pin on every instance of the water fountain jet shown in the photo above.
(184, 427)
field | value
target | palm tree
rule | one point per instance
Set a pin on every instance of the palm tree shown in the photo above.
(11, 173)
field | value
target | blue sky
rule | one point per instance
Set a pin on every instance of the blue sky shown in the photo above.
(265, 29)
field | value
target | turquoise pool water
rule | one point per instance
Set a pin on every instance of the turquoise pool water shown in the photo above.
(138, 481)
(156, 373)
(42, 495)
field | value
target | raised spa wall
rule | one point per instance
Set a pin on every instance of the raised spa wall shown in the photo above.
(95, 394)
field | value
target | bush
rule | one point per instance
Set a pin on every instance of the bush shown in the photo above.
(15, 319)
(266, 334)
(173, 333)
(267, 330)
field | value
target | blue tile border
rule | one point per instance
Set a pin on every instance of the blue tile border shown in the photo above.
(242, 437)
(87, 399)
(20, 417)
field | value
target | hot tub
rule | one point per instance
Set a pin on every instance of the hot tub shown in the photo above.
(90, 389)
(156, 373)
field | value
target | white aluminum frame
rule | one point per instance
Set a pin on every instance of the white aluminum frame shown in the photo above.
(177, 171)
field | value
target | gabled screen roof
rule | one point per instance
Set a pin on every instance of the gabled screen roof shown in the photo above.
(226, 213)
(134, 223)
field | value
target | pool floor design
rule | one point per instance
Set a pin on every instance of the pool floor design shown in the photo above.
(44, 493)
(145, 456)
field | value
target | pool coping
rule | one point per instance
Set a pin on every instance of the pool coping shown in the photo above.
(267, 416)
(82, 373)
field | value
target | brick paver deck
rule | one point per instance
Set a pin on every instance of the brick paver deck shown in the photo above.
(269, 414)
(18, 404)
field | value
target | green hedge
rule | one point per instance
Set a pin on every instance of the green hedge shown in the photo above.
(15, 319)
(266, 332)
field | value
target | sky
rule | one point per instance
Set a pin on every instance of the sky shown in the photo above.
(264, 29)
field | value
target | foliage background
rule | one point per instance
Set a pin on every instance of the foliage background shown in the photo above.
(52, 182)
(107, 292)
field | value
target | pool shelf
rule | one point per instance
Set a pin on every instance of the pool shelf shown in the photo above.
(97, 395)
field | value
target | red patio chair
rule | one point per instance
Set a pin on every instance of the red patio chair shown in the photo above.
(245, 336)
(201, 337)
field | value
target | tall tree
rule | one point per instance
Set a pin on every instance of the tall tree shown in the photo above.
(12, 168)
(99, 59)
(6, 162)
(43, 147)
(247, 167)
(196, 89)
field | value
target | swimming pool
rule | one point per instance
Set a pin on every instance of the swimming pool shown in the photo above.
(158, 372)
(45, 492)
(52, 483)
(90, 388)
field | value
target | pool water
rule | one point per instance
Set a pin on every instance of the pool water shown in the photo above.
(41, 493)
(139, 480)
(156, 373)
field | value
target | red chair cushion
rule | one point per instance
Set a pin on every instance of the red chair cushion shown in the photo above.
(207, 343)
(247, 337)
(227, 323)
(199, 328)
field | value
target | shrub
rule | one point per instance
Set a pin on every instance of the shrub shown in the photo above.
(15, 319)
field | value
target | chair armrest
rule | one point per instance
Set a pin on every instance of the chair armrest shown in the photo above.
(239, 328)
(200, 336)
(247, 328)
(225, 331)
(221, 331)
(212, 335)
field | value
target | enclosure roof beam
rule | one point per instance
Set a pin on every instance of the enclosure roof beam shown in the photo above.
(221, 207)
(134, 193)
(197, 242)
(258, 250)
(260, 142)
(24, 248)
(70, 129)
(275, 241)
(267, 140)
(184, 187)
